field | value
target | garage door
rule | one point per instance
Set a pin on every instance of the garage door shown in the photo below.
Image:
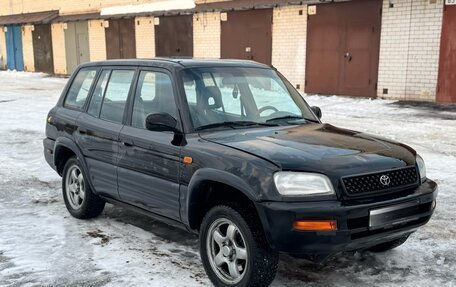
(446, 88)
(247, 35)
(174, 36)
(120, 39)
(15, 60)
(343, 43)
(42, 48)
(76, 44)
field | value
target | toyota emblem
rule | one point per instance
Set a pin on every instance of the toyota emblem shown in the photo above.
(385, 180)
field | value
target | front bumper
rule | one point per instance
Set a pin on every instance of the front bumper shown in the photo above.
(353, 228)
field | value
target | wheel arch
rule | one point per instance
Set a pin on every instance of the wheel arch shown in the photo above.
(209, 187)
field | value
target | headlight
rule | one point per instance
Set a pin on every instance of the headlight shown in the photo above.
(421, 167)
(302, 184)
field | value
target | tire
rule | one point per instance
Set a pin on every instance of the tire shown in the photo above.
(79, 199)
(241, 244)
(383, 247)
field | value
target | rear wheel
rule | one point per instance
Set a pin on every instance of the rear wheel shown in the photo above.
(383, 247)
(234, 250)
(79, 199)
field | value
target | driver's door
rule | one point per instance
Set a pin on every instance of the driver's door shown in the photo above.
(148, 169)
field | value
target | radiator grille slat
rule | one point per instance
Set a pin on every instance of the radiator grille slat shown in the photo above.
(370, 183)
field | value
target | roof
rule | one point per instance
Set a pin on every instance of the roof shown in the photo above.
(77, 17)
(29, 18)
(179, 62)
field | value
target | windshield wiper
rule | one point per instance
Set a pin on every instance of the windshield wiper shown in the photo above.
(291, 118)
(233, 123)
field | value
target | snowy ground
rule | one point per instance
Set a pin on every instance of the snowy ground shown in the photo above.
(40, 244)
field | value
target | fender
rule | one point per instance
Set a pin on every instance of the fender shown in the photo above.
(192, 192)
(71, 145)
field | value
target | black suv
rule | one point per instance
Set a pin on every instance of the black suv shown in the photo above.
(230, 150)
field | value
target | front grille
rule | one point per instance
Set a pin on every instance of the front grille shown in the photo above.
(371, 183)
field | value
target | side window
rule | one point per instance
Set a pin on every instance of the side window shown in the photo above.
(79, 89)
(116, 95)
(154, 94)
(98, 93)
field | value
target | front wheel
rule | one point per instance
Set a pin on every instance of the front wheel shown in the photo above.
(79, 199)
(234, 250)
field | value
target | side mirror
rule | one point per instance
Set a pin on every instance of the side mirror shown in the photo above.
(161, 122)
(317, 111)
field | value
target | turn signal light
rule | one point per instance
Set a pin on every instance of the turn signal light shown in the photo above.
(315, 225)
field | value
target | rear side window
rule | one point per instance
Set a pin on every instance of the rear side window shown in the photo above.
(98, 93)
(79, 89)
(116, 95)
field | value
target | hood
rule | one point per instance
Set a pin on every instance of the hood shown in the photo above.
(320, 148)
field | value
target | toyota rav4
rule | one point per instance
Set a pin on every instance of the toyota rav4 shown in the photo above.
(231, 151)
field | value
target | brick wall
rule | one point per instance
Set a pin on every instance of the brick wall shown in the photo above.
(58, 48)
(97, 42)
(409, 49)
(289, 38)
(27, 46)
(145, 37)
(206, 35)
(2, 49)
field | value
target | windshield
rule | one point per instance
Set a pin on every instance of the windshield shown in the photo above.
(231, 95)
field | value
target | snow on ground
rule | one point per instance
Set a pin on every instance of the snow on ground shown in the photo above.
(41, 244)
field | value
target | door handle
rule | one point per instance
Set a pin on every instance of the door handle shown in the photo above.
(348, 56)
(127, 143)
(82, 131)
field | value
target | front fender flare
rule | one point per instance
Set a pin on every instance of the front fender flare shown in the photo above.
(190, 199)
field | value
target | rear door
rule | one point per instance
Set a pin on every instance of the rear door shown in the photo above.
(148, 172)
(99, 128)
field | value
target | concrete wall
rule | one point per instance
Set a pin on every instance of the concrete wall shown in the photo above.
(409, 49)
(289, 41)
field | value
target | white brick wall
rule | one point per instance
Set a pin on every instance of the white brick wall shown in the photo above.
(289, 39)
(206, 35)
(58, 48)
(145, 37)
(2, 49)
(409, 49)
(97, 42)
(27, 46)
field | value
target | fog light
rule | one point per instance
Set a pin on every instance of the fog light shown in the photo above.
(315, 225)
